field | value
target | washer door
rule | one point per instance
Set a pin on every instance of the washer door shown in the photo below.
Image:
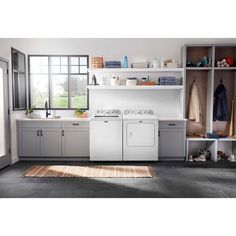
(140, 135)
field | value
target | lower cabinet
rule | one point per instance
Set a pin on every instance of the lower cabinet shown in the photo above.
(50, 142)
(28, 142)
(75, 139)
(53, 139)
(172, 140)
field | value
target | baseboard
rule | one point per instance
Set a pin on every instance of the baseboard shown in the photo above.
(54, 159)
(14, 160)
(4, 161)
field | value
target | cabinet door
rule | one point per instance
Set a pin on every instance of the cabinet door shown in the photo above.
(28, 142)
(50, 142)
(75, 143)
(171, 143)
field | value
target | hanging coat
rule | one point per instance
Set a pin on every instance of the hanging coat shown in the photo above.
(194, 106)
(220, 110)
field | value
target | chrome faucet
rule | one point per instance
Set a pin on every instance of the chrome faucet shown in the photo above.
(46, 107)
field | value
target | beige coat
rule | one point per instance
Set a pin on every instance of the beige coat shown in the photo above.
(194, 106)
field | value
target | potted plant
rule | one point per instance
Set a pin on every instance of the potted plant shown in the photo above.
(79, 113)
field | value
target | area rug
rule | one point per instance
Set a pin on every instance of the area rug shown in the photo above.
(93, 171)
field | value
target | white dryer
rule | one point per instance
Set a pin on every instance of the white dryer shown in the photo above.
(106, 136)
(140, 135)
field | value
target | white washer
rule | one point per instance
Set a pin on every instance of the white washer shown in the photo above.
(106, 136)
(140, 135)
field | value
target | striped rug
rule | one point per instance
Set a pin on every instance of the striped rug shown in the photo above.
(93, 171)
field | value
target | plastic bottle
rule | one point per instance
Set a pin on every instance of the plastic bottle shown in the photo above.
(162, 63)
(126, 65)
(155, 63)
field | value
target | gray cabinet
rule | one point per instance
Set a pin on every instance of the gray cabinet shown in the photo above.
(39, 139)
(50, 142)
(53, 138)
(75, 139)
(28, 142)
(172, 140)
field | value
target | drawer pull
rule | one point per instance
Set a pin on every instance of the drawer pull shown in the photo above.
(106, 121)
(41, 132)
(76, 124)
(62, 132)
(37, 132)
(171, 124)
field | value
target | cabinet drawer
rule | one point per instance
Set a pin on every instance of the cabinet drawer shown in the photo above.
(172, 124)
(75, 124)
(39, 124)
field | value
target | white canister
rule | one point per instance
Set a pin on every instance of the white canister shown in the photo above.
(131, 82)
(115, 81)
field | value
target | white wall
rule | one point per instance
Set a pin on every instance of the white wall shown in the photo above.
(108, 48)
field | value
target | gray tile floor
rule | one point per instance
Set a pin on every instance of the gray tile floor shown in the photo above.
(175, 180)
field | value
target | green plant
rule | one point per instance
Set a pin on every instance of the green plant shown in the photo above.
(28, 111)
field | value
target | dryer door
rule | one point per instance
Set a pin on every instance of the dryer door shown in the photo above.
(140, 134)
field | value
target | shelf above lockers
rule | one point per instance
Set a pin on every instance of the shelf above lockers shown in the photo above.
(199, 68)
(223, 51)
(225, 68)
(195, 53)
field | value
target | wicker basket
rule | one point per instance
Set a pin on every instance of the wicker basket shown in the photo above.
(97, 62)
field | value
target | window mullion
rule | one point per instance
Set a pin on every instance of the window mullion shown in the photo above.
(69, 98)
(49, 83)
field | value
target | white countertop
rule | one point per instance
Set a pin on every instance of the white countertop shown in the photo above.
(88, 119)
(55, 119)
(172, 119)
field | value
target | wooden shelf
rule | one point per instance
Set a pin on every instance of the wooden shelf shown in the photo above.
(138, 87)
(134, 70)
(199, 68)
(229, 139)
(200, 139)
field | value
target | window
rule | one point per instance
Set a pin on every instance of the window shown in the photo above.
(18, 80)
(59, 80)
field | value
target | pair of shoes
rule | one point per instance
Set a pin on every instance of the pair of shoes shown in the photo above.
(190, 158)
(200, 158)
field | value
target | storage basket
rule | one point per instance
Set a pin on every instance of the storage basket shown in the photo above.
(97, 62)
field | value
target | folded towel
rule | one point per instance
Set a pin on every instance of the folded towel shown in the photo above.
(108, 63)
(113, 66)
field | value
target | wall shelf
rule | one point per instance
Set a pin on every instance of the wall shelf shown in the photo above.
(225, 68)
(198, 68)
(138, 87)
(135, 70)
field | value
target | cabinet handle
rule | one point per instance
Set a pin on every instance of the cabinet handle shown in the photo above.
(37, 132)
(75, 123)
(171, 124)
(62, 132)
(41, 132)
(106, 121)
(159, 133)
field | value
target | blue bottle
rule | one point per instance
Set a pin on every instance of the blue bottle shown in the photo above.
(126, 65)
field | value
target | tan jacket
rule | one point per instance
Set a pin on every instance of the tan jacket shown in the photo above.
(194, 106)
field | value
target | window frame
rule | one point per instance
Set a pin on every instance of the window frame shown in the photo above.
(50, 80)
(13, 70)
